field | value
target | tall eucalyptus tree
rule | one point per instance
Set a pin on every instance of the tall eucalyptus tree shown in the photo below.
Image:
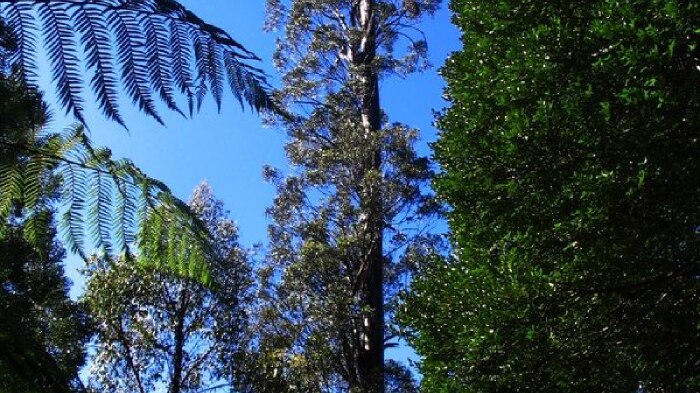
(355, 201)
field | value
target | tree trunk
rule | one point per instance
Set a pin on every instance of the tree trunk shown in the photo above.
(371, 367)
(179, 344)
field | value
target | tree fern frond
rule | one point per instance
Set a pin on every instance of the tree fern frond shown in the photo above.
(36, 230)
(105, 210)
(202, 65)
(6, 171)
(20, 20)
(93, 212)
(250, 83)
(131, 56)
(183, 255)
(95, 39)
(145, 47)
(160, 61)
(217, 74)
(174, 238)
(22, 191)
(113, 202)
(201, 91)
(125, 209)
(172, 251)
(75, 194)
(33, 179)
(182, 57)
(236, 79)
(61, 48)
(181, 44)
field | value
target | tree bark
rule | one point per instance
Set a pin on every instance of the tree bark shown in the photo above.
(179, 344)
(371, 359)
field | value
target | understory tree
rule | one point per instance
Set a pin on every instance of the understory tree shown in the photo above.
(570, 160)
(350, 218)
(159, 330)
(42, 331)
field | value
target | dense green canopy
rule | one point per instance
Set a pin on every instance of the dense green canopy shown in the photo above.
(570, 159)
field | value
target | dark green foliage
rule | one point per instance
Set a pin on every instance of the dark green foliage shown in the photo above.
(148, 48)
(570, 158)
(21, 115)
(42, 332)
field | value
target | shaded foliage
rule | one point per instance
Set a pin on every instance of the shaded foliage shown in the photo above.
(42, 332)
(570, 162)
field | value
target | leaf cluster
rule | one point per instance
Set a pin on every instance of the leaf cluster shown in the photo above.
(322, 43)
(109, 202)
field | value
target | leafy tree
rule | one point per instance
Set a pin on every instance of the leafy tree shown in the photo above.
(147, 47)
(349, 221)
(42, 332)
(570, 161)
(156, 329)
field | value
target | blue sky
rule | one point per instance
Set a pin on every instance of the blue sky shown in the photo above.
(229, 149)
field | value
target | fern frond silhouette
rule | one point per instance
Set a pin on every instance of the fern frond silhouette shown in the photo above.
(152, 49)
